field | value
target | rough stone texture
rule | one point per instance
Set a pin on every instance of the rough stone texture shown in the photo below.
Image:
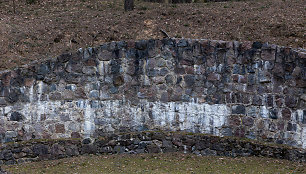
(146, 142)
(201, 86)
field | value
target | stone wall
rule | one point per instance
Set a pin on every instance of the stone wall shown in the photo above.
(252, 90)
(144, 142)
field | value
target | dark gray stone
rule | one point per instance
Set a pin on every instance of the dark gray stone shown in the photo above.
(236, 69)
(72, 150)
(164, 97)
(119, 149)
(252, 111)
(113, 90)
(251, 79)
(89, 70)
(291, 127)
(43, 69)
(238, 109)
(89, 149)
(64, 117)
(115, 67)
(251, 135)
(52, 87)
(71, 87)
(152, 72)
(163, 71)
(13, 96)
(169, 79)
(290, 101)
(257, 100)
(152, 148)
(182, 43)
(269, 100)
(99, 121)
(94, 94)
(7, 155)
(86, 141)
(118, 80)
(141, 45)
(208, 152)
(273, 114)
(94, 104)
(250, 68)
(257, 45)
(2, 102)
(304, 117)
(227, 131)
(185, 98)
(40, 149)
(16, 116)
(189, 80)
(264, 77)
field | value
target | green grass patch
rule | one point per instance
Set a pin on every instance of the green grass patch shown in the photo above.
(159, 163)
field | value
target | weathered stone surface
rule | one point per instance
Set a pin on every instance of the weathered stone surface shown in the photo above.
(189, 80)
(290, 101)
(248, 121)
(273, 114)
(208, 152)
(16, 116)
(153, 142)
(251, 90)
(59, 128)
(239, 109)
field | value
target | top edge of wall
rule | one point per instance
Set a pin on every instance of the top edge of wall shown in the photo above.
(247, 45)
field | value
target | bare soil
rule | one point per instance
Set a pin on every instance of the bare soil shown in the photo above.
(48, 28)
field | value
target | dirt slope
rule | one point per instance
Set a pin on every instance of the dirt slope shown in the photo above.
(51, 27)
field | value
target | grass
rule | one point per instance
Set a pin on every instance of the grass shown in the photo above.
(159, 163)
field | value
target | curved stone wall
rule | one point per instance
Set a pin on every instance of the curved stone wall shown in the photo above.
(145, 142)
(253, 90)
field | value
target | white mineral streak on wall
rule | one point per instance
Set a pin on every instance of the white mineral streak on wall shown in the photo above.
(304, 137)
(41, 108)
(88, 120)
(193, 117)
(301, 128)
(113, 114)
(31, 93)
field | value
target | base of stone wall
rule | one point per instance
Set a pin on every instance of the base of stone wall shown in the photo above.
(145, 142)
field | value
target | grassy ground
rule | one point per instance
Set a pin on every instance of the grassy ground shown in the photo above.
(159, 163)
(48, 28)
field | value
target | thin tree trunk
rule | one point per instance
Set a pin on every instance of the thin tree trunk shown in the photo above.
(128, 5)
(14, 6)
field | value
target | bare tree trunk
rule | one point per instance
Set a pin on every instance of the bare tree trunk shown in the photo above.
(128, 5)
(14, 6)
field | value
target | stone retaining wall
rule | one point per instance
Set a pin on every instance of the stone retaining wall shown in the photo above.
(145, 142)
(249, 90)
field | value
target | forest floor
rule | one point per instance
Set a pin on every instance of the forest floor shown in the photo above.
(47, 28)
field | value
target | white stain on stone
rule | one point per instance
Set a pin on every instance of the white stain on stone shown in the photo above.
(31, 93)
(88, 120)
(183, 116)
(41, 108)
(264, 112)
(303, 137)
(112, 115)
